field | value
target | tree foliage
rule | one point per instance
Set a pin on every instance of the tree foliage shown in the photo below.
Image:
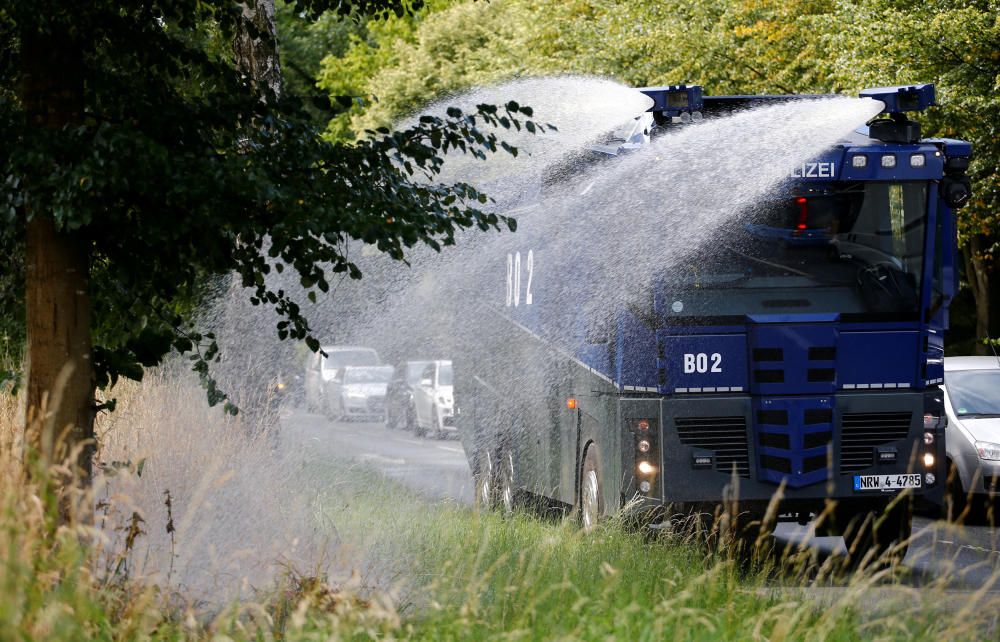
(179, 168)
(728, 46)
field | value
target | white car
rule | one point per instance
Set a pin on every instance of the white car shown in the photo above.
(972, 403)
(321, 370)
(433, 400)
(357, 393)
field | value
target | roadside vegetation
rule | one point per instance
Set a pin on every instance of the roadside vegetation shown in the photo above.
(363, 557)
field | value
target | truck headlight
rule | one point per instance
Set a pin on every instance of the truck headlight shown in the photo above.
(988, 451)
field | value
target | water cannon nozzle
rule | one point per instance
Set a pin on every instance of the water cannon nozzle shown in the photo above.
(675, 100)
(903, 98)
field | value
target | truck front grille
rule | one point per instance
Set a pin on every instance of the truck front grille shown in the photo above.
(861, 433)
(726, 437)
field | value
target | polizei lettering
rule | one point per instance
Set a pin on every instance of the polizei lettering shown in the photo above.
(815, 170)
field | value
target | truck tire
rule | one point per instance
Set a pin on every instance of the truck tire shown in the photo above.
(591, 500)
(484, 480)
(506, 499)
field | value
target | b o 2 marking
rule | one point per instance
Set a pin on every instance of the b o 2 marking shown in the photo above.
(514, 278)
(699, 362)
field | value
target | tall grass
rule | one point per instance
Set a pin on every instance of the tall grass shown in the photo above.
(480, 576)
(240, 508)
(266, 541)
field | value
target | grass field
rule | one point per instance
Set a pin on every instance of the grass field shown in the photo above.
(393, 564)
(480, 576)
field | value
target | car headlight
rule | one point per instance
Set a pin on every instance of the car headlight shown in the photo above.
(988, 451)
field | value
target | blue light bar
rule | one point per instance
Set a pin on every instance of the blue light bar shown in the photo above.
(903, 98)
(674, 100)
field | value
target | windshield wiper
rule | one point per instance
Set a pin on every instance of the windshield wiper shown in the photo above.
(979, 415)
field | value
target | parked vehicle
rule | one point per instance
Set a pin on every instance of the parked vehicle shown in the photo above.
(399, 406)
(972, 402)
(320, 370)
(433, 400)
(357, 393)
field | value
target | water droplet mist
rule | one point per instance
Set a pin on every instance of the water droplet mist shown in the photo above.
(598, 233)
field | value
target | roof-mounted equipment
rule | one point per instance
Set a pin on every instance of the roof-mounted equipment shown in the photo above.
(675, 103)
(897, 128)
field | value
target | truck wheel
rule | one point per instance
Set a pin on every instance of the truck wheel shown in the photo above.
(485, 493)
(506, 501)
(591, 502)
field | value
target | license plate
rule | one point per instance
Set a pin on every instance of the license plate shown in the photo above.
(886, 482)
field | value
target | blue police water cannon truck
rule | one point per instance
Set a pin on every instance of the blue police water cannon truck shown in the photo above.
(802, 364)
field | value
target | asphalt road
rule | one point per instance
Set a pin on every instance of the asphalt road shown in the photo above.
(959, 557)
(436, 468)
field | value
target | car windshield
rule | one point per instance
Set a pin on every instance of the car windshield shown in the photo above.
(856, 249)
(414, 370)
(367, 375)
(444, 375)
(974, 393)
(337, 359)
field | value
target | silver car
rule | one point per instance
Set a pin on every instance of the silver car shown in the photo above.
(972, 402)
(433, 400)
(320, 371)
(357, 393)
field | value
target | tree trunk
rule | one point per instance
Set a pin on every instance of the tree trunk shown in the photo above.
(60, 381)
(257, 53)
(978, 277)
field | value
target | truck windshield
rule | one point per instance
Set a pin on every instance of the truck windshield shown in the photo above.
(974, 393)
(857, 250)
